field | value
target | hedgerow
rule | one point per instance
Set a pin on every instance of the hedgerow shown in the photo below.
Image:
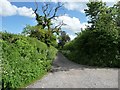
(24, 59)
(95, 48)
(99, 43)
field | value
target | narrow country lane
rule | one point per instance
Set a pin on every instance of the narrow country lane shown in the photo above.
(67, 74)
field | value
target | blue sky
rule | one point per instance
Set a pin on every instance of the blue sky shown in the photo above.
(16, 15)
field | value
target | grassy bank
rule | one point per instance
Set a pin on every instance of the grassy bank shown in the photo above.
(24, 59)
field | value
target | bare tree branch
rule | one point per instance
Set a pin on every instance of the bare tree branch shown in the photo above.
(45, 8)
(45, 20)
(49, 12)
(55, 10)
(35, 11)
(58, 27)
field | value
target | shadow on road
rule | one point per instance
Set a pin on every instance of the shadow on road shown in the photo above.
(61, 63)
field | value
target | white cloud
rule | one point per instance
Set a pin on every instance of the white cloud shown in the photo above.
(73, 23)
(7, 9)
(109, 0)
(110, 4)
(24, 11)
(72, 36)
(75, 6)
(80, 6)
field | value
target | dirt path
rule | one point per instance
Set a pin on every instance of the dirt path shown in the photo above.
(66, 74)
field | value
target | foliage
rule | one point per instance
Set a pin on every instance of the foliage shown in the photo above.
(40, 34)
(94, 9)
(97, 48)
(98, 45)
(24, 59)
(63, 38)
(45, 30)
(117, 11)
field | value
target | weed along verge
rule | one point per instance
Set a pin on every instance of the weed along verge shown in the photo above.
(24, 60)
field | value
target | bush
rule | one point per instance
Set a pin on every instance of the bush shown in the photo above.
(41, 34)
(95, 47)
(24, 59)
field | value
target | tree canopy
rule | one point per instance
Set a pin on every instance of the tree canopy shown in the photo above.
(44, 30)
(98, 44)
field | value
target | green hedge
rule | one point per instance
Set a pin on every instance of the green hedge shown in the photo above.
(95, 48)
(24, 59)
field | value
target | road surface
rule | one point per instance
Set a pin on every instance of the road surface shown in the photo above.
(67, 74)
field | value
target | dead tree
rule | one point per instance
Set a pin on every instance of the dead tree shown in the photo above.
(49, 14)
(57, 29)
(45, 20)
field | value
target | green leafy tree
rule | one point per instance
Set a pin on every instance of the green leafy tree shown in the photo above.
(99, 44)
(117, 7)
(44, 30)
(40, 34)
(63, 38)
(94, 9)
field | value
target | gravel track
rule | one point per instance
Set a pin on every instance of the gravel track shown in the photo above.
(67, 74)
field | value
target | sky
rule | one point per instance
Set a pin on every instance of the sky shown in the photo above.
(14, 15)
